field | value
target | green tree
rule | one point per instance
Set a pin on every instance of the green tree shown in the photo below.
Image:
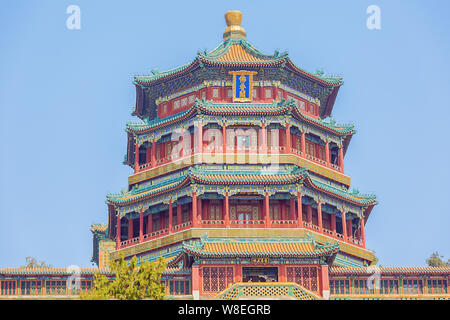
(33, 263)
(436, 261)
(131, 282)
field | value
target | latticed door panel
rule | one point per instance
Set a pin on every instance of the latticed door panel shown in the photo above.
(206, 280)
(304, 276)
(216, 279)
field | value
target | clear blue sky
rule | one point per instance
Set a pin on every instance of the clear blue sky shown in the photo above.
(65, 96)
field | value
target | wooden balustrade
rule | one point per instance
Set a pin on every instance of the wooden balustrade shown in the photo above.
(212, 222)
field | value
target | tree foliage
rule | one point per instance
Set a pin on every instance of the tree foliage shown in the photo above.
(436, 261)
(130, 282)
(33, 263)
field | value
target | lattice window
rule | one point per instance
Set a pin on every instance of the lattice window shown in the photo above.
(313, 275)
(304, 276)
(206, 280)
(216, 279)
(221, 280)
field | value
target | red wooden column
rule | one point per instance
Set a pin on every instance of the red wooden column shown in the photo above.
(141, 225)
(130, 228)
(309, 214)
(303, 140)
(237, 273)
(179, 213)
(200, 137)
(195, 282)
(333, 223)
(194, 211)
(341, 159)
(319, 215)
(344, 226)
(291, 209)
(118, 233)
(363, 233)
(263, 138)
(224, 137)
(299, 210)
(154, 153)
(181, 145)
(227, 211)
(327, 153)
(170, 215)
(267, 210)
(199, 210)
(282, 273)
(149, 223)
(349, 229)
(288, 138)
(136, 158)
(325, 281)
(283, 211)
(148, 157)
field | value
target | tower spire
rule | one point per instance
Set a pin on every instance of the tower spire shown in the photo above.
(233, 18)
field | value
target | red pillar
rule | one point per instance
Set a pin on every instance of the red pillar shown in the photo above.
(299, 210)
(195, 282)
(309, 214)
(200, 137)
(179, 213)
(224, 137)
(319, 215)
(288, 138)
(118, 233)
(349, 229)
(263, 138)
(170, 215)
(227, 211)
(130, 228)
(325, 281)
(149, 155)
(282, 273)
(344, 226)
(154, 153)
(199, 210)
(333, 223)
(238, 273)
(291, 209)
(149, 223)
(267, 211)
(363, 233)
(194, 210)
(181, 145)
(283, 210)
(327, 153)
(141, 225)
(303, 140)
(341, 159)
(136, 158)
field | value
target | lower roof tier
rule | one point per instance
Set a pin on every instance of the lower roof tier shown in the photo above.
(234, 180)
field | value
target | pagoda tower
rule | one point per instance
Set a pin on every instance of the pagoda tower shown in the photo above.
(238, 175)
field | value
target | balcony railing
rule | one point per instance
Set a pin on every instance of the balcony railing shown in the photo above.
(182, 226)
(212, 222)
(310, 157)
(232, 149)
(289, 223)
(129, 242)
(236, 223)
(247, 223)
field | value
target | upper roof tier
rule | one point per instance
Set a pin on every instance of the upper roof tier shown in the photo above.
(234, 53)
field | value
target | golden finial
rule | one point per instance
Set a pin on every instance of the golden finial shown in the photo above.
(233, 18)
